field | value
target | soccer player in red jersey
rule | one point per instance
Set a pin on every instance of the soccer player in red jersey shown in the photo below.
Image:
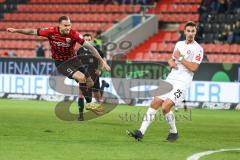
(62, 40)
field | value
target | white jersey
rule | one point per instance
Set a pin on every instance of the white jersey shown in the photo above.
(192, 52)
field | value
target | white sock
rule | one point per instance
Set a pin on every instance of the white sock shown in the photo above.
(171, 121)
(148, 118)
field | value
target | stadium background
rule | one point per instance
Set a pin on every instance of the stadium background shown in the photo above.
(137, 36)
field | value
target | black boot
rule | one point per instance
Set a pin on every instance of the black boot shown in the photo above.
(81, 118)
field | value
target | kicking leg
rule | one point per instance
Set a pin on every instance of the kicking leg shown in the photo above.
(148, 119)
(81, 78)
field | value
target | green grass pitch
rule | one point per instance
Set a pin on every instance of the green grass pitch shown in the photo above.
(29, 130)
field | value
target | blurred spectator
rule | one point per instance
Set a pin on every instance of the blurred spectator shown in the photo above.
(226, 34)
(142, 2)
(219, 6)
(229, 6)
(234, 35)
(236, 6)
(205, 58)
(7, 7)
(12, 53)
(232, 5)
(103, 1)
(126, 1)
(97, 41)
(40, 50)
(108, 1)
(199, 35)
(205, 6)
(143, 14)
(236, 32)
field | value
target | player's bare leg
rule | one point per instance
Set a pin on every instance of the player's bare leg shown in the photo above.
(89, 80)
(81, 78)
(166, 109)
(148, 119)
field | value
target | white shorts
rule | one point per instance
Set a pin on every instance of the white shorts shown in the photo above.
(177, 94)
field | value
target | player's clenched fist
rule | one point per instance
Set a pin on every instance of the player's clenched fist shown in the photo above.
(177, 54)
(172, 63)
(12, 30)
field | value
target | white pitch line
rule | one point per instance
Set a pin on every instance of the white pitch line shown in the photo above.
(197, 156)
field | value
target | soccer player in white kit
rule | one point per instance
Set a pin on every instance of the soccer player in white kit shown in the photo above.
(186, 57)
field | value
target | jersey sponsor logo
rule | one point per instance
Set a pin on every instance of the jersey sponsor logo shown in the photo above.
(56, 36)
(43, 29)
(68, 40)
(198, 57)
(61, 44)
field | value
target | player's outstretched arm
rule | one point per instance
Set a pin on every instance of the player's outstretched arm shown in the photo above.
(96, 54)
(23, 31)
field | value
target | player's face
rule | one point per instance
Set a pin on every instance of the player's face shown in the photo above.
(65, 27)
(190, 33)
(87, 38)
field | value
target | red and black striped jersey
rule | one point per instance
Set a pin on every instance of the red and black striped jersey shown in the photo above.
(62, 46)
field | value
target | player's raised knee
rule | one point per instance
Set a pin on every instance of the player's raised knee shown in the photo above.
(156, 103)
(80, 77)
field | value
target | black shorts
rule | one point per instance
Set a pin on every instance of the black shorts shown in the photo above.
(69, 67)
